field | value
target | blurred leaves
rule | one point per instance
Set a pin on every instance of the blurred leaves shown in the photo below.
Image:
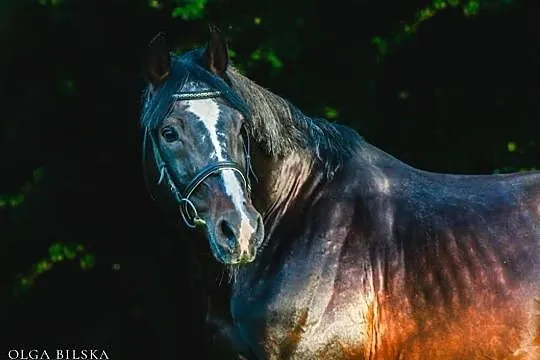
(189, 9)
(387, 44)
(330, 113)
(318, 56)
(50, 2)
(269, 56)
(17, 199)
(58, 252)
(87, 261)
(471, 8)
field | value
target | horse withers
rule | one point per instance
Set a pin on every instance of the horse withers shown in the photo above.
(335, 249)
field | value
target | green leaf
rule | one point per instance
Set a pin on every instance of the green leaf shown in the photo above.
(189, 10)
(42, 266)
(425, 14)
(70, 252)
(25, 282)
(330, 112)
(382, 44)
(16, 200)
(471, 8)
(274, 60)
(439, 4)
(87, 261)
(256, 55)
(56, 252)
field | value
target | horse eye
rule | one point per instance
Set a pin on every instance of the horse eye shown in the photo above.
(169, 134)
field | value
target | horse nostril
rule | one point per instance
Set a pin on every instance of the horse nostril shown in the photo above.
(227, 230)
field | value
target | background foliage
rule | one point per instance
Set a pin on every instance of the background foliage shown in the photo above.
(87, 259)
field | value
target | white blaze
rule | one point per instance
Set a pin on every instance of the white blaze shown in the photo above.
(207, 110)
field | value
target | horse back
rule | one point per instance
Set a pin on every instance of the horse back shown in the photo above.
(455, 265)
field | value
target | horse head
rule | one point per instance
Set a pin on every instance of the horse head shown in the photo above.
(196, 128)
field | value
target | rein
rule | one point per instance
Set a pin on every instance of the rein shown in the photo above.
(187, 208)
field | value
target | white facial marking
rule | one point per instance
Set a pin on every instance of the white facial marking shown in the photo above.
(234, 190)
(207, 110)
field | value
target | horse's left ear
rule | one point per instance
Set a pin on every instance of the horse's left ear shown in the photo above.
(216, 54)
(158, 60)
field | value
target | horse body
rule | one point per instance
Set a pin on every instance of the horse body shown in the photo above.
(339, 250)
(386, 261)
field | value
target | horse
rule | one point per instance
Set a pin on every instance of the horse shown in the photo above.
(333, 248)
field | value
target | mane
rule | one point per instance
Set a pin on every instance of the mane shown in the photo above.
(274, 122)
(282, 128)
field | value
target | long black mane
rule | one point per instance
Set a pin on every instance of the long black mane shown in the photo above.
(275, 123)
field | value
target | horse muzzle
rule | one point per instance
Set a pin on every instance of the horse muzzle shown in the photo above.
(235, 236)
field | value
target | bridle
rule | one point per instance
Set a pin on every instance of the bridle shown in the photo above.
(187, 208)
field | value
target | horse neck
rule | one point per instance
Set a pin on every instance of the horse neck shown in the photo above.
(283, 182)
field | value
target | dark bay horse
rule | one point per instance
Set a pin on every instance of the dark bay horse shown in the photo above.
(335, 249)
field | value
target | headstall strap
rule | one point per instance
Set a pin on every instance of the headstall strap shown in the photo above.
(196, 95)
(186, 206)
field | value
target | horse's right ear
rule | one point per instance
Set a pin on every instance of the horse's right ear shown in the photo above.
(216, 53)
(158, 60)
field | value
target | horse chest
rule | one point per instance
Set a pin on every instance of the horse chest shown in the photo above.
(302, 315)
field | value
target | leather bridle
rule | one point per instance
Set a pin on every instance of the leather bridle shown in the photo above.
(187, 208)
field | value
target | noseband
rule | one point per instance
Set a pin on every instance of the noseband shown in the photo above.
(187, 208)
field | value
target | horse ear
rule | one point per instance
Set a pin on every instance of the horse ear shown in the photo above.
(216, 54)
(158, 60)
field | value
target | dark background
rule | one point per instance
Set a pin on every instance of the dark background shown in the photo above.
(87, 260)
